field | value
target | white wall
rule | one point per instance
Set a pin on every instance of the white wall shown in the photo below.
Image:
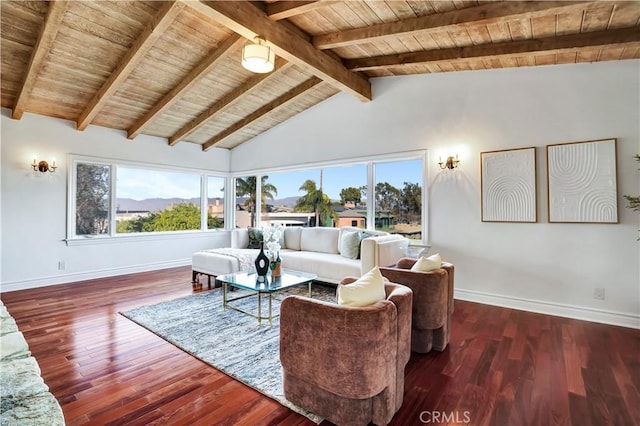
(542, 267)
(33, 206)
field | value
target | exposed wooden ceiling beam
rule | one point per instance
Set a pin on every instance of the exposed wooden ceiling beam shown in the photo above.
(626, 37)
(484, 14)
(287, 9)
(276, 103)
(152, 32)
(195, 75)
(249, 21)
(227, 100)
(52, 21)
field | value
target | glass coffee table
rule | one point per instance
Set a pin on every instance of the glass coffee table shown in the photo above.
(269, 287)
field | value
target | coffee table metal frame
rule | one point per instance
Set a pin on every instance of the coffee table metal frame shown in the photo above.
(270, 286)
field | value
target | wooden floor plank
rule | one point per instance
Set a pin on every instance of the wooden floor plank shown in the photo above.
(502, 366)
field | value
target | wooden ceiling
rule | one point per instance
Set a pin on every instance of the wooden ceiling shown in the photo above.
(172, 69)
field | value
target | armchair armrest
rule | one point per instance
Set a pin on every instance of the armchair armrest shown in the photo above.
(317, 337)
(405, 263)
(430, 291)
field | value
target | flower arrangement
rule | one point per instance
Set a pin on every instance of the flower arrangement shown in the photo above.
(272, 235)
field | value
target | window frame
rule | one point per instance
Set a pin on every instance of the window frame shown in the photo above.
(369, 161)
(371, 213)
(113, 236)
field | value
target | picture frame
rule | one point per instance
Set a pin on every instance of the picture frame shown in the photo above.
(508, 181)
(582, 182)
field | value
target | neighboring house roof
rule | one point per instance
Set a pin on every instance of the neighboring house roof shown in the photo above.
(348, 213)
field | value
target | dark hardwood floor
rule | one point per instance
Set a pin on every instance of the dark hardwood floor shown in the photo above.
(502, 367)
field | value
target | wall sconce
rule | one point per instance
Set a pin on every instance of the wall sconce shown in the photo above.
(450, 164)
(258, 57)
(43, 166)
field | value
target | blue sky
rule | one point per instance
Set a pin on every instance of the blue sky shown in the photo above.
(334, 179)
(140, 184)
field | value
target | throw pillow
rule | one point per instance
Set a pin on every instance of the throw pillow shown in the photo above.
(350, 244)
(365, 291)
(255, 238)
(426, 264)
(363, 235)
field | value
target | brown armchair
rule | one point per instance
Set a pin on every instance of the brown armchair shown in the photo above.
(344, 363)
(432, 303)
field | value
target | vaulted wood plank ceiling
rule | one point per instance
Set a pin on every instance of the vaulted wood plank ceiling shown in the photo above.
(172, 68)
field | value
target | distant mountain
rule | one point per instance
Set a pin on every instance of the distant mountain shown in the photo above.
(287, 201)
(154, 204)
(159, 204)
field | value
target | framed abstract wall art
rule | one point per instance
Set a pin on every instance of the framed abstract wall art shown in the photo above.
(582, 185)
(508, 181)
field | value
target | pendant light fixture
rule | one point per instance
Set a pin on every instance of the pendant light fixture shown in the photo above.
(258, 57)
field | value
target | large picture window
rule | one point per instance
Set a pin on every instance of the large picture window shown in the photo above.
(338, 196)
(112, 198)
(150, 200)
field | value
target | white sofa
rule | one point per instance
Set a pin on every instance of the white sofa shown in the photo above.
(315, 250)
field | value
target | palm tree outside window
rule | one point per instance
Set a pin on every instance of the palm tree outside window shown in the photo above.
(246, 187)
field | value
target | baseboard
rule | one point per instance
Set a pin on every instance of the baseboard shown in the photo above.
(90, 275)
(550, 308)
(530, 305)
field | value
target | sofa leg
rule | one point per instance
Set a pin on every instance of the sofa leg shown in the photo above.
(195, 280)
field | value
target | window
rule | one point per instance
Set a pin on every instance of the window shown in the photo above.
(346, 187)
(215, 202)
(286, 208)
(116, 198)
(245, 201)
(398, 195)
(151, 200)
(331, 196)
(338, 196)
(92, 195)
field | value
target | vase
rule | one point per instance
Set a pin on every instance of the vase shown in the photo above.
(277, 270)
(262, 263)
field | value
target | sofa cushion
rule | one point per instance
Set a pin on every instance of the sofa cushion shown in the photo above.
(240, 238)
(255, 238)
(319, 239)
(328, 267)
(350, 244)
(365, 291)
(292, 237)
(369, 232)
(223, 260)
(363, 233)
(426, 264)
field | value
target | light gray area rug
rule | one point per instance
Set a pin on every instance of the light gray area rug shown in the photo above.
(228, 340)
